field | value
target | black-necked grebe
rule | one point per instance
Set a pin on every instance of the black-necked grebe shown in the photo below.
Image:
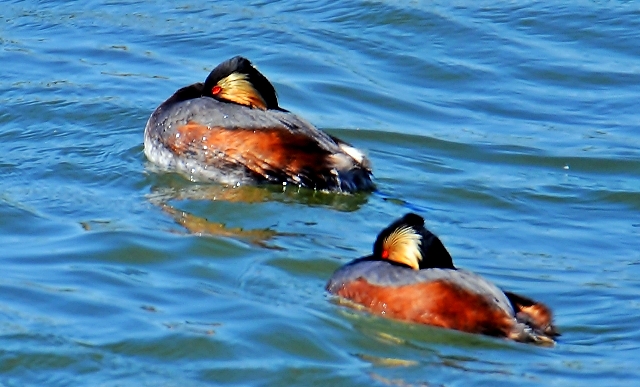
(231, 130)
(411, 277)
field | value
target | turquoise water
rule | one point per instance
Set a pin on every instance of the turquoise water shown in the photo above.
(512, 128)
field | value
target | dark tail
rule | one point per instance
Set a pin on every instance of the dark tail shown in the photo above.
(535, 315)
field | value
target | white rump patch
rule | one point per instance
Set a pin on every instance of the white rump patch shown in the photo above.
(353, 152)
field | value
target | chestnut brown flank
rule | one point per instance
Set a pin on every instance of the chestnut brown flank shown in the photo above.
(262, 151)
(437, 303)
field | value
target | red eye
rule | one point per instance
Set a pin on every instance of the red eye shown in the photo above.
(385, 254)
(216, 90)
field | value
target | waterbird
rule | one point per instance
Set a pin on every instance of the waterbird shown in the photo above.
(231, 130)
(411, 276)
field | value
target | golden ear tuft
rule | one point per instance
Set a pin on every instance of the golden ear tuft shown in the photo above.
(238, 89)
(403, 246)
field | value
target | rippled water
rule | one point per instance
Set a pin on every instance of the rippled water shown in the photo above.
(512, 128)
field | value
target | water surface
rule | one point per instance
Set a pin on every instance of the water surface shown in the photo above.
(511, 128)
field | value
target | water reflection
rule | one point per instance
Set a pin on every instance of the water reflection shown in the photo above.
(179, 190)
(201, 226)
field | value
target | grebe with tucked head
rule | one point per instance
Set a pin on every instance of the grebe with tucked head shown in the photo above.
(411, 277)
(230, 129)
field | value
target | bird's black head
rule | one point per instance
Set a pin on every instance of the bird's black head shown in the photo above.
(237, 81)
(406, 241)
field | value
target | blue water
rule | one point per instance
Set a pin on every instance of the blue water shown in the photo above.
(512, 128)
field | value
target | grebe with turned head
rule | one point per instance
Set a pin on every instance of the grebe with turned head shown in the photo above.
(410, 276)
(230, 129)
